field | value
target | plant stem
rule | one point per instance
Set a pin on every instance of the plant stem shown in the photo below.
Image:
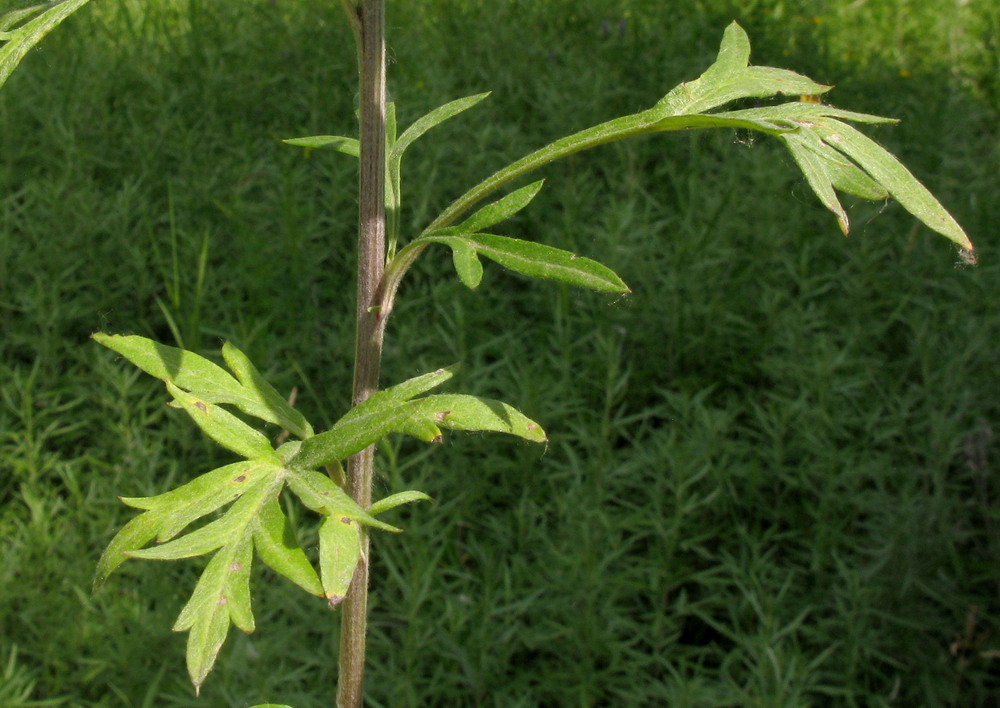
(370, 34)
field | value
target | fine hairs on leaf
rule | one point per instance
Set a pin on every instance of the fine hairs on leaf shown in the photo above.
(236, 512)
(22, 29)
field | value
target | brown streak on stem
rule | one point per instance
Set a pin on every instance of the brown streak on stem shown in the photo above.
(370, 30)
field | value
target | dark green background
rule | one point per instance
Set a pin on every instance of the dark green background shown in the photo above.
(771, 475)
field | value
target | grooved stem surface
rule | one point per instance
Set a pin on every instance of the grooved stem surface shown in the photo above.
(370, 33)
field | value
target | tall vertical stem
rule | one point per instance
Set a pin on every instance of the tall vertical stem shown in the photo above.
(369, 24)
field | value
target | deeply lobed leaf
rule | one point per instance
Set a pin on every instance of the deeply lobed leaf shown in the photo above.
(862, 167)
(421, 418)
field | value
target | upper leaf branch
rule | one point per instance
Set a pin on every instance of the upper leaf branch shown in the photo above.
(832, 155)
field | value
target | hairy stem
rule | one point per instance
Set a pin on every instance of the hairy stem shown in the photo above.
(369, 21)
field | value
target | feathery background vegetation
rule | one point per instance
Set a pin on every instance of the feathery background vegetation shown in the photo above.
(771, 476)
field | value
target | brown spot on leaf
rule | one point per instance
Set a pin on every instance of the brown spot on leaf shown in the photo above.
(241, 478)
(223, 601)
(201, 406)
(236, 567)
(334, 600)
(441, 415)
(345, 520)
(439, 372)
(437, 439)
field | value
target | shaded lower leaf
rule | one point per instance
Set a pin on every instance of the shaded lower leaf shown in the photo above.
(222, 594)
(238, 599)
(339, 555)
(278, 549)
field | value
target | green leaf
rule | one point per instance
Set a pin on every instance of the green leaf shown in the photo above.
(348, 146)
(220, 597)
(220, 532)
(825, 169)
(185, 369)
(394, 500)
(167, 514)
(383, 413)
(275, 541)
(208, 381)
(202, 495)
(891, 174)
(402, 392)
(224, 427)
(222, 594)
(868, 170)
(134, 535)
(252, 380)
(796, 112)
(339, 555)
(501, 209)
(319, 493)
(466, 260)
(464, 412)
(430, 120)
(20, 41)
(854, 163)
(532, 259)
(390, 411)
(351, 435)
(731, 78)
